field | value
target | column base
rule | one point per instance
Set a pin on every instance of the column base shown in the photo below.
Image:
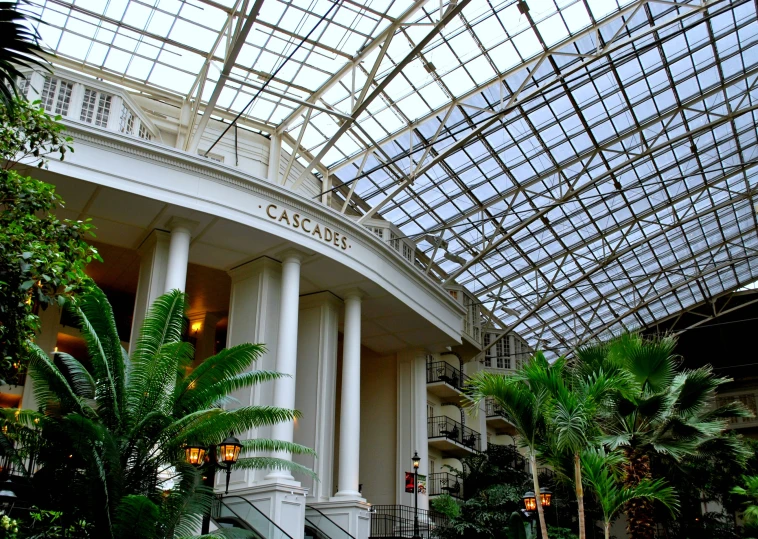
(351, 515)
(281, 476)
(348, 495)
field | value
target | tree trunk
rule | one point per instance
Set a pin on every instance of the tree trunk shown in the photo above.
(579, 495)
(639, 512)
(607, 528)
(540, 511)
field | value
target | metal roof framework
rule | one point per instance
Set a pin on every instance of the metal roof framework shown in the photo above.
(582, 166)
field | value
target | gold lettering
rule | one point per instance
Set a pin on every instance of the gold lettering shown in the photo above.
(284, 216)
(306, 220)
(268, 210)
(327, 234)
(296, 220)
(317, 230)
(344, 243)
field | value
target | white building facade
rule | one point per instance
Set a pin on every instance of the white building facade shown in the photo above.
(376, 350)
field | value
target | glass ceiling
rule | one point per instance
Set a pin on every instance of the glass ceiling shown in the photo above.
(588, 164)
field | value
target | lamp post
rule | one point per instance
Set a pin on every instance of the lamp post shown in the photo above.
(222, 456)
(416, 462)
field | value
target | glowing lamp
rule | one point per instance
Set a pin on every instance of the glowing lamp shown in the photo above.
(229, 450)
(530, 502)
(195, 455)
(546, 497)
(416, 460)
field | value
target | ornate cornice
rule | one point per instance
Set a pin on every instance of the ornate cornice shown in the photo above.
(217, 172)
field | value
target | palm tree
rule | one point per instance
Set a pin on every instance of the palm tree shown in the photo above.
(664, 410)
(579, 400)
(109, 437)
(19, 47)
(523, 398)
(601, 474)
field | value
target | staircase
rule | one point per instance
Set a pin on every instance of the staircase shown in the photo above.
(320, 526)
(237, 512)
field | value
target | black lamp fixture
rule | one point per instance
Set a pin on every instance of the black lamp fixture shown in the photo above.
(8, 496)
(530, 502)
(228, 454)
(416, 463)
(224, 456)
(546, 497)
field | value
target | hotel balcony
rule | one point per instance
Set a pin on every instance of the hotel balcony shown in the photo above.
(444, 380)
(444, 483)
(452, 438)
(496, 419)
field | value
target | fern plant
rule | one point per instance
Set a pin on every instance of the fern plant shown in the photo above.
(108, 440)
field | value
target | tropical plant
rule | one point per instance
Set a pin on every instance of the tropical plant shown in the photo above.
(749, 491)
(602, 471)
(19, 47)
(524, 398)
(579, 400)
(42, 257)
(110, 433)
(664, 410)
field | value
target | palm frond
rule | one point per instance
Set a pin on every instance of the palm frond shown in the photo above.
(78, 376)
(209, 394)
(269, 446)
(19, 46)
(163, 324)
(228, 363)
(136, 516)
(271, 463)
(50, 386)
(98, 328)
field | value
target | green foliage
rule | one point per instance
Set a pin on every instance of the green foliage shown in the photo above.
(8, 527)
(49, 525)
(109, 440)
(42, 258)
(493, 484)
(446, 505)
(749, 490)
(19, 47)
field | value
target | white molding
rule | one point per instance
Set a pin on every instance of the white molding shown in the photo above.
(171, 158)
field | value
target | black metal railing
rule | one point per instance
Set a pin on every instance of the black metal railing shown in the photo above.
(442, 371)
(398, 521)
(444, 427)
(444, 483)
(493, 409)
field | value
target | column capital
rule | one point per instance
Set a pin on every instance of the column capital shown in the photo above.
(320, 298)
(353, 293)
(292, 254)
(243, 271)
(181, 222)
(154, 237)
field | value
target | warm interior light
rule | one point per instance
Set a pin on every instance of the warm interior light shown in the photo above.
(546, 497)
(196, 327)
(194, 454)
(530, 502)
(229, 450)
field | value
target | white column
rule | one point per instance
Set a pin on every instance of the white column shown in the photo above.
(254, 318)
(178, 253)
(317, 342)
(286, 359)
(350, 406)
(152, 278)
(274, 152)
(49, 324)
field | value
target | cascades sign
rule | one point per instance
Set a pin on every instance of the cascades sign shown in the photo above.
(295, 220)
